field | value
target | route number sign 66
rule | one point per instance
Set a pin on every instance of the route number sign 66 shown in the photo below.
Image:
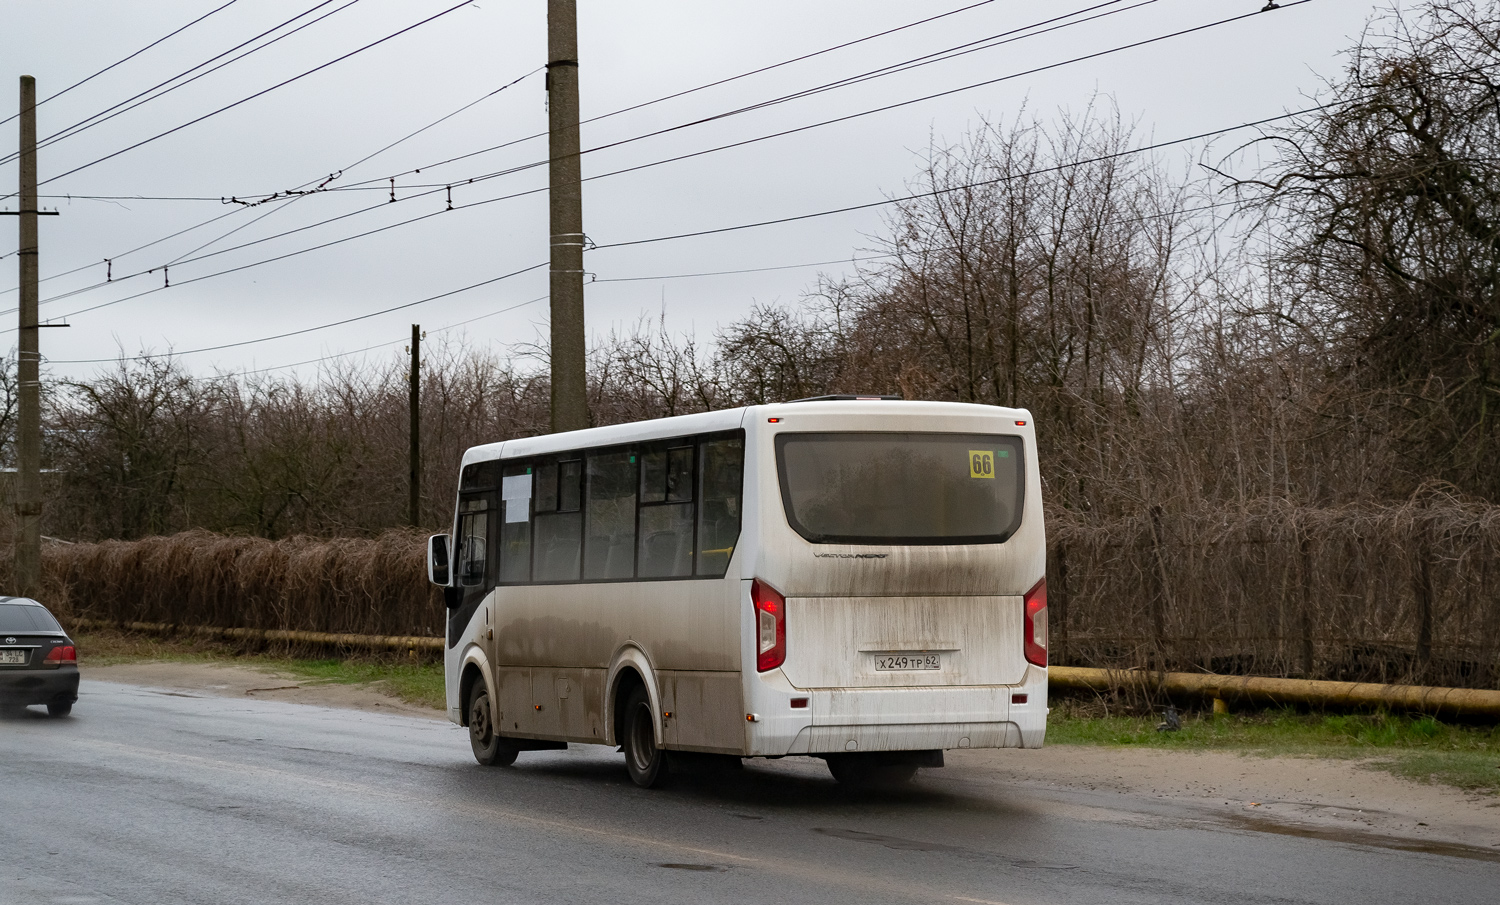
(981, 463)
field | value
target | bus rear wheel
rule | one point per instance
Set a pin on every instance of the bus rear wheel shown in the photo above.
(868, 771)
(490, 749)
(646, 763)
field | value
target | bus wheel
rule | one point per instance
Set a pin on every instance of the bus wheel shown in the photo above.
(861, 771)
(489, 748)
(646, 763)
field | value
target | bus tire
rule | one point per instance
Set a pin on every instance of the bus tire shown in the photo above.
(490, 749)
(646, 763)
(862, 771)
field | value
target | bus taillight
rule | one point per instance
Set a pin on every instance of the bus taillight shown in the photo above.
(770, 622)
(1036, 624)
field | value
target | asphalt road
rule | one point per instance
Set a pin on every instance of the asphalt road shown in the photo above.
(153, 797)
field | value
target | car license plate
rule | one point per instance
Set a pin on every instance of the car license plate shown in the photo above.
(12, 657)
(900, 662)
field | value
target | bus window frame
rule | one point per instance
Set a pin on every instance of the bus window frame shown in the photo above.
(811, 537)
(635, 449)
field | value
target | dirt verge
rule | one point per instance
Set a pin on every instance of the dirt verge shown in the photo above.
(236, 680)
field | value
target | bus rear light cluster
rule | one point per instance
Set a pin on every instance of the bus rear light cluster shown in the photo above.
(770, 623)
(1036, 624)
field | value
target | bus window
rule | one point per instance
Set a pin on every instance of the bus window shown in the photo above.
(901, 488)
(559, 523)
(473, 543)
(722, 471)
(609, 551)
(515, 526)
(666, 518)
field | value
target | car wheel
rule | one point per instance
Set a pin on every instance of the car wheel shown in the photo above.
(861, 771)
(489, 748)
(60, 708)
(646, 763)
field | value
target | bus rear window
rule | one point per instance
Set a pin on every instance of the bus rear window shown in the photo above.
(901, 488)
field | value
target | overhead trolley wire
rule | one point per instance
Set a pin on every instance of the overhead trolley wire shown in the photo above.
(261, 93)
(781, 220)
(1014, 34)
(111, 112)
(365, 185)
(684, 157)
(443, 329)
(293, 193)
(337, 323)
(435, 187)
(90, 78)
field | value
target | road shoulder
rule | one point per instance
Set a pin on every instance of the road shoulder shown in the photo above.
(239, 681)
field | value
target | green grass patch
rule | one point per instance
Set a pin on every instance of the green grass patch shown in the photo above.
(1416, 747)
(415, 683)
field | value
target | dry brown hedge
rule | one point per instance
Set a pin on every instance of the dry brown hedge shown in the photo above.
(1402, 594)
(347, 585)
(1394, 594)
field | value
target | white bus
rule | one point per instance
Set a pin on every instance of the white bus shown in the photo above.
(856, 579)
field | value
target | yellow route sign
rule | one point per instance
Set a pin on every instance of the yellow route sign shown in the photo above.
(981, 463)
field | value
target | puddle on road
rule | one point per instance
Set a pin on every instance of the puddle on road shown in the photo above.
(708, 868)
(1373, 840)
(913, 845)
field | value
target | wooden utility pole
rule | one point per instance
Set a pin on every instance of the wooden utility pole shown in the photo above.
(28, 551)
(414, 474)
(569, 394)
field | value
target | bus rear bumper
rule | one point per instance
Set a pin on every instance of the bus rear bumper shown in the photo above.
(898, 719)
(905, 737)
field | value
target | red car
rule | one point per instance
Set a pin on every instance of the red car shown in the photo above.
(38, 661)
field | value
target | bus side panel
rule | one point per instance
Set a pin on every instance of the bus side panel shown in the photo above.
(706, 709)
(571, 702)
(572, 632)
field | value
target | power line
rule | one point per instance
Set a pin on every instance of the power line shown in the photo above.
(701, 153)
(520, 168)
(90, 78)
(289, 333)
(293, 193)
(915, 196)
(363, 186)
(395, 342)
(1010, 35)
(111, 112)
(262, 92)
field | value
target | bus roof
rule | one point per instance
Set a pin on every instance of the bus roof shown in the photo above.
(726, 419)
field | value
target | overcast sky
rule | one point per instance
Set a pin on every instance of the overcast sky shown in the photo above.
(299, 134)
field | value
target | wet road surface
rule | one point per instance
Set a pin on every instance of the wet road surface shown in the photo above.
(160, 797)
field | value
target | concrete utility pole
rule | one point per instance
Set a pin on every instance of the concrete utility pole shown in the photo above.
(28, 565)
(414, 516)
(569, 393)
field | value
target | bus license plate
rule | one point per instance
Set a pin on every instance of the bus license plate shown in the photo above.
(899, 662)
(12, 656)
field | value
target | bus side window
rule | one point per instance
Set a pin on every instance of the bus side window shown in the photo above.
(609, 549)
(515, 524)
(559, 523)
(473, 543)
(722, 464)
(666, 518)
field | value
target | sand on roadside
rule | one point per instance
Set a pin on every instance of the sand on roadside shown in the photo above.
(1326, 797)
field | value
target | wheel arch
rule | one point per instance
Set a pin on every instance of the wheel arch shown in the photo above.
(474, 668)
(629, 666)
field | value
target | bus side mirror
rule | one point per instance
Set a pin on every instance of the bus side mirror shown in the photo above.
(437, 560)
